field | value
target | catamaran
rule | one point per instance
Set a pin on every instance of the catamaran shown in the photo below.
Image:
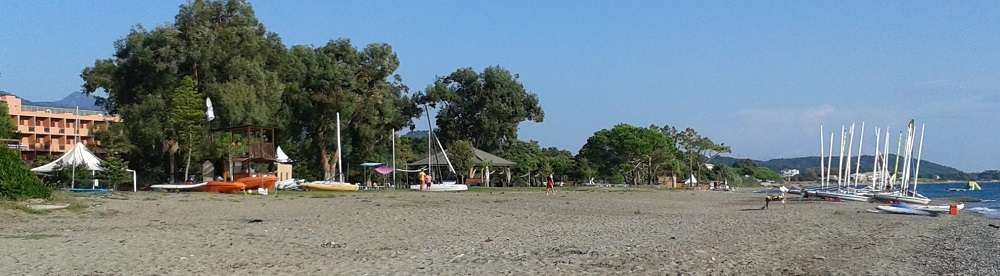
(442, 186)
(907, 188)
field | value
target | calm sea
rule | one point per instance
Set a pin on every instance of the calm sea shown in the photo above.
(983, 202)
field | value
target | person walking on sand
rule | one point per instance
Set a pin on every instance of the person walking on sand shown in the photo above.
(422, 178)
(550, 186)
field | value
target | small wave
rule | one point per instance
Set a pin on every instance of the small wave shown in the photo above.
(988, 200)
(988, 212)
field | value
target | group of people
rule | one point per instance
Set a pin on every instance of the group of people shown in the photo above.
(425, 180)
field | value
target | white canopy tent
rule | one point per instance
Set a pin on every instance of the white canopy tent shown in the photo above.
(78, 156)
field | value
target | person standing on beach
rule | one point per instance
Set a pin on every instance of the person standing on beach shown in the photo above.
(421, 177)
(550, 185)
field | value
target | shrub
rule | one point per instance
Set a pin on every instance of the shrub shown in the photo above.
(16, 181)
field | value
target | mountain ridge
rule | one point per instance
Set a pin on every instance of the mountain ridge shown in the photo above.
(810, 164)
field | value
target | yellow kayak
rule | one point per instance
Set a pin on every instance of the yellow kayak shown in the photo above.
(331, 186)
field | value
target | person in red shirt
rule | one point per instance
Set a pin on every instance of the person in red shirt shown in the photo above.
(550, 185)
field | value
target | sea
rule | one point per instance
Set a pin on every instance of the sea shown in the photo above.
(984, 202)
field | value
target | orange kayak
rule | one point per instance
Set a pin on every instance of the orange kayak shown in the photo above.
(254, 182)
(223, 187)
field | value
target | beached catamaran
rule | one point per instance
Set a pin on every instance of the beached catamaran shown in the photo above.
(334, 184)
(442, 186)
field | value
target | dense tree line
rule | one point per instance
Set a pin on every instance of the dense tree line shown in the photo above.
(157, 80)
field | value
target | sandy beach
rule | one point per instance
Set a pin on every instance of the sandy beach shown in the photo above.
(488, 232)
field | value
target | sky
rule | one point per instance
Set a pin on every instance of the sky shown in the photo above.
(759, 76)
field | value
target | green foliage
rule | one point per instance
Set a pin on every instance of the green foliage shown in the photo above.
(694, 149)
(187, 121)
(7, 128)
(115, 172)
(748, 167)
(359, 85)
(220, 45)
(483, 108)
(526, 156)
(461, 156)
(16, 181)
(630, 153)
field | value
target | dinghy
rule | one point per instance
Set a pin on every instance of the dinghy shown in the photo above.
(178, 187)
(903, 210)
(332, 185)
(223, 187)
(936, 208)
(258, 181)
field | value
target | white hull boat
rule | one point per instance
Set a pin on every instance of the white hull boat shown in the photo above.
(902, 210)
(447, 187)
(896, 196)
(179, 187)
(842, 195)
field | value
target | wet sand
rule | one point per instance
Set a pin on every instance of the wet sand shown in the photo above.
(499, 232)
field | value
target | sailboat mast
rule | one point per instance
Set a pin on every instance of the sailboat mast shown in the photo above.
(430, 130)
(392, 136)
(861, 144)
(840, 166)
(822, 177)
(895, 167)
(850, 151)
(885, 161)
(829, 161)
(908, 157)
(340, 164)
(876, 157)
(920, 153)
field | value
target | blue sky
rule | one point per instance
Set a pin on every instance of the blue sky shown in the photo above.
(760, 76)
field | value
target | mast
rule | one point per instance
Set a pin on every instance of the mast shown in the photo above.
(340, 166)
(850, 150)
(840, 166)
(885, 161)
(877, 156)
(829, 161)
(895, 167)
(861, 144)
(920, 153)
(430, 130)
(908, 158)
(822, 179)
(392, 136)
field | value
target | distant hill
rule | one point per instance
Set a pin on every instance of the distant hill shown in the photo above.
(73, 100)
(927, 169)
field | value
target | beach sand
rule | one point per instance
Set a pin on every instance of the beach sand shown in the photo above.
(499, 232)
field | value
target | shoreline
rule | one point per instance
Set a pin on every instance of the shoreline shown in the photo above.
(641, 231)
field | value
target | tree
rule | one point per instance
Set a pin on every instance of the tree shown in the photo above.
(359, 85)
(187, 121)
(632, 154)
(525, 155)
(16, 181)
(695, 149)
(483, 108)
(7, 128)
(462, 158)
(229, 55)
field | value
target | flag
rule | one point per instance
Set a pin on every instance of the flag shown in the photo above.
(209, 111)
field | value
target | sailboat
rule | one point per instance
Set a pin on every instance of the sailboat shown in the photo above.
(443, 186)
(973, 186)
(906, 193)
(330, 184)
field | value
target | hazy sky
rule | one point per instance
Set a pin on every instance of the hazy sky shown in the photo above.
(760, 76)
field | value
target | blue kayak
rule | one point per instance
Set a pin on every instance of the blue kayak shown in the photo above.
(84, 190)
